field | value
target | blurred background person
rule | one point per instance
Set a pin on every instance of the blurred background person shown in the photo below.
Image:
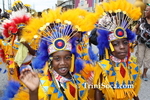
(143, 48)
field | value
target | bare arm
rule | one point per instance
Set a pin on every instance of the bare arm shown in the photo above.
(33, 95)
(31, 51)
(98, 94)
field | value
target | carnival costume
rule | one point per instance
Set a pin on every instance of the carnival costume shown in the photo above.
(120, 78)
(19, 53)
(56, 31)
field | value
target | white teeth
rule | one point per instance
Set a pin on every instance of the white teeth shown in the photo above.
(63, 69)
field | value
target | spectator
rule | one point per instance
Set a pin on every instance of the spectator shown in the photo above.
(64, 8)
(143, 48)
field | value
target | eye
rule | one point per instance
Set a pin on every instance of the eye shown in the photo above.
(56, 58)
(67, 57)
(115, 43)
(125, 42)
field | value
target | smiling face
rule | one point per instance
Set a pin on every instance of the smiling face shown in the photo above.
(120, 48)
(61, 63)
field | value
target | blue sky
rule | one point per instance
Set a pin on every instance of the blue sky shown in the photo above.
(38, 5)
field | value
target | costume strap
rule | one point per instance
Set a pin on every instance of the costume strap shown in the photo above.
(62, 90)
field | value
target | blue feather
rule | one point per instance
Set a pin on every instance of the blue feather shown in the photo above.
(92, 56)
(42, 55)
(4, 98)
(79, 65)
(74, 51)
(102, 40)
(11, 89)
(130, 35)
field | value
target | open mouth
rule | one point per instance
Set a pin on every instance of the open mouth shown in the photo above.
(63, 70)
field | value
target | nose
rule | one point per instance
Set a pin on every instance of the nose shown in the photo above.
(62, 61)
(122, 46)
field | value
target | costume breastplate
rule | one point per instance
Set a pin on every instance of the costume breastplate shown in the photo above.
(51, 89)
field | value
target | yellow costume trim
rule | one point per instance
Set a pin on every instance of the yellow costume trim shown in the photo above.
(111, 47)
(119, 92)
(97, 74)
(72, 63)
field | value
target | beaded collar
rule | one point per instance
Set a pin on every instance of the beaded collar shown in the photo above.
(116, 60)
(59, 78)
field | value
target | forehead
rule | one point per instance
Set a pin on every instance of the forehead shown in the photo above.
(119, 40)
(62, 53)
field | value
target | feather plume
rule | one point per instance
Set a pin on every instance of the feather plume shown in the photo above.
(11, 89)
(79, 19)
(92, 56)
(42, 56)
(79, 65)
(102, 40)
(130, 35)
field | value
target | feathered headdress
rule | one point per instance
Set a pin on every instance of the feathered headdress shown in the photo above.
(113, 25)
(56, 30)
(19, 18)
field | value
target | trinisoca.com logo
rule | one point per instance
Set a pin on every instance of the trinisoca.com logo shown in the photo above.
(89, 86)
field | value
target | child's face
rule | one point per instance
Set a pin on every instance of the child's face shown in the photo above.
(61, 62)
(120, 48)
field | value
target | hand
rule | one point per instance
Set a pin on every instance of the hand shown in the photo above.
(30, 79)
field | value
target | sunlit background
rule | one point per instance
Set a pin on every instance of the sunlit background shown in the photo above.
(38, 5)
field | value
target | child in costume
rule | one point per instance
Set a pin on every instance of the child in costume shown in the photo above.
(20, 52)
(58, 49)
(116, 76)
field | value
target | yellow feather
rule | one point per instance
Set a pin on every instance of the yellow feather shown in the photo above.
(83, 20)
(119, 6)
(106, 6)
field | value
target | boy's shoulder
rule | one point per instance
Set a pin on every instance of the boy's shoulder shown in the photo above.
(105, 63)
